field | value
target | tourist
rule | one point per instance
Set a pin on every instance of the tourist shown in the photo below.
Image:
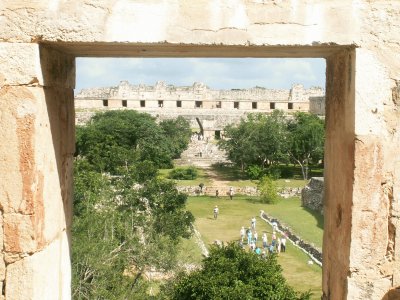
(253, 223)
(283, 243)
(273, 239)
(271, 248)
(263, 254)
(264, 240)
(252, 246)
(216, 193)
(249, 236)
(255, 237)
(274, 226)
(278, 246)
(257, 251)
(216, 211)
(242, 233)
(231, 192)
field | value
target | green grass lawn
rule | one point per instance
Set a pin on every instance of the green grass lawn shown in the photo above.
(228, 173)
(238, 212)
(302, 221)
(293, 183)
(290, 171)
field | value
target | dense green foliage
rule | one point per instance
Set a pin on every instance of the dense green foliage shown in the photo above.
(178, 132)
(127, 224)
(116, 139)
(268, 190)
(189, 173)
(120, 227)
(232, 273)
(260, 144)
(306, 140)
(258, 140)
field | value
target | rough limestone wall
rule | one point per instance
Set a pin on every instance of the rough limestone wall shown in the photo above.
(36, 158)
(312, 195)
(361, 241)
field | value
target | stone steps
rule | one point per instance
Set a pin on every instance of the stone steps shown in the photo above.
(201, 154)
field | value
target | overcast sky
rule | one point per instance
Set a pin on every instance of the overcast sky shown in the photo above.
(217, 73)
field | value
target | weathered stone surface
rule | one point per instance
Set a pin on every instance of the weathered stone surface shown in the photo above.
(19, 64)
(19, 234)
(312, 195)
(215, 109)
(1, 231)
(373, 98)
(359, 38)
(19, 110)
(338, 174)
(43, 275)
(2, 269)
(58, 69)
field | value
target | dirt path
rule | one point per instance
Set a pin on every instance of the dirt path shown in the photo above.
(215, 179)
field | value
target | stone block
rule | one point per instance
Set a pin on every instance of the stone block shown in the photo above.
(31, 64)
(38, 125)
(19, 233)
(19, 64)
(42, 275)
(312, 196)
(371, 99)
(58, 68)
(17, 120)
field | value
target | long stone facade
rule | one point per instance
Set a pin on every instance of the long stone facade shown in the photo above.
(199, 96)
(214, 109)
(360, 40)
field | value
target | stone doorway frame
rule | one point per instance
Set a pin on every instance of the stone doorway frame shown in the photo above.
(57, 63)
(340, 101)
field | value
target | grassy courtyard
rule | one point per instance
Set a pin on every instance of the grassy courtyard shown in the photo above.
(239, 211)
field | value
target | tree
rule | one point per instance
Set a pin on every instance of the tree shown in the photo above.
(125, 224)
(232, 273)
(178, 133)
(258, 140)
(120, 230)
(306, 140)
(268, 190)
(117, 139)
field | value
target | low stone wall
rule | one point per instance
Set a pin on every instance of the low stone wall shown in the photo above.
(312, 195)
(313, 252)
(222, 190)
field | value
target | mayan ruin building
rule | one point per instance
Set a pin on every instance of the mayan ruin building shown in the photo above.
(212, 108)
(360, 41)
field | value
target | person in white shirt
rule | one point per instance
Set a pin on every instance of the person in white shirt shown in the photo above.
(242, 233)
(265, 240)
(283, 244)
(253, 223)
(216, 211)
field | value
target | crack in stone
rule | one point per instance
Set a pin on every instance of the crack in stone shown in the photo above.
(284, 23)
(218, 30)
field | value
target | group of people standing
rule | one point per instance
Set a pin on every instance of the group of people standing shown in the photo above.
(277, 244)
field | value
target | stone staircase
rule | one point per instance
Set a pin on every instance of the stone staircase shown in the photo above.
(201, 153)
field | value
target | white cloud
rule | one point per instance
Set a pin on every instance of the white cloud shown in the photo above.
(223, 73)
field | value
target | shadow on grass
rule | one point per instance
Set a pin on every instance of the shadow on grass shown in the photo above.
(316, 215)
(227, 173)
(252, 200)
